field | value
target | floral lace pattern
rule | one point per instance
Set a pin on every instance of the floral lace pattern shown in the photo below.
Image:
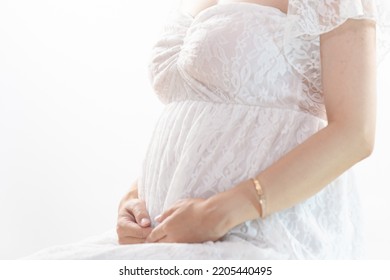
(308, 19)
(241, 83)
(252, 71)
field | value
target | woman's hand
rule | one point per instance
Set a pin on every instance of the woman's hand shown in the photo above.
(187, 221)
(197, 220)
(133, 225)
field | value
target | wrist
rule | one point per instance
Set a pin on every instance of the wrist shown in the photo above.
(234, 206)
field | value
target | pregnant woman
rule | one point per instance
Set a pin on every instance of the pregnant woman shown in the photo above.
(268, 104)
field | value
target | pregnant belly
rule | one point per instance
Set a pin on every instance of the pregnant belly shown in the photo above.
(201, 148)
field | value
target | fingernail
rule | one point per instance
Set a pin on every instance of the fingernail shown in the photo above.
(157, 218)
(145, 221)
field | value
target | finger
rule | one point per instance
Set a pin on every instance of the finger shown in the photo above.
(156, 234)
(123, 240)
(160, 218)
(166, 239)
(141, 215)
(131, 229)
(126, 216)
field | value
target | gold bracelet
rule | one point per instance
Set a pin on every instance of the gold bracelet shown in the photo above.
(260, 193)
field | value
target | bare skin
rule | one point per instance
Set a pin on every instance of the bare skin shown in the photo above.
(349, 81)
(133, 224)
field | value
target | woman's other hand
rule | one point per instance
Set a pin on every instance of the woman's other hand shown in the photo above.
(133, 224)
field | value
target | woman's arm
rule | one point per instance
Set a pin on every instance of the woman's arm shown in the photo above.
(349, 82)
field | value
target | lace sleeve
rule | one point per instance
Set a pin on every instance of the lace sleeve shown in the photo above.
(308, 19)
(165, 53)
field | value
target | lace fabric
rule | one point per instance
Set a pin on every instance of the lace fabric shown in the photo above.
(308, 19)
(242, 86)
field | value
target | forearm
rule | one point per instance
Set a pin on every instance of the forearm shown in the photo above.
(309, 167)
(297, 176)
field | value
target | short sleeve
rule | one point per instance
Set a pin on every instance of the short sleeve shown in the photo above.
(308, 19)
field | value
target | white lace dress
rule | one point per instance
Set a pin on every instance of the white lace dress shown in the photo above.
(241, 84)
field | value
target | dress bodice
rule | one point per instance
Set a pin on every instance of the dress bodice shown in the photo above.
(231, 53)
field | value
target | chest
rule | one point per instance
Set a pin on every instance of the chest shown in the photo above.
(236, 49)
(232, 38)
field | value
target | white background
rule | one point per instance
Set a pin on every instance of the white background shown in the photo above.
(77, 112)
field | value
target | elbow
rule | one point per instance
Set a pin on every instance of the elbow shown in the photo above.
(367, 143)
(355, 142)
(363, 142)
